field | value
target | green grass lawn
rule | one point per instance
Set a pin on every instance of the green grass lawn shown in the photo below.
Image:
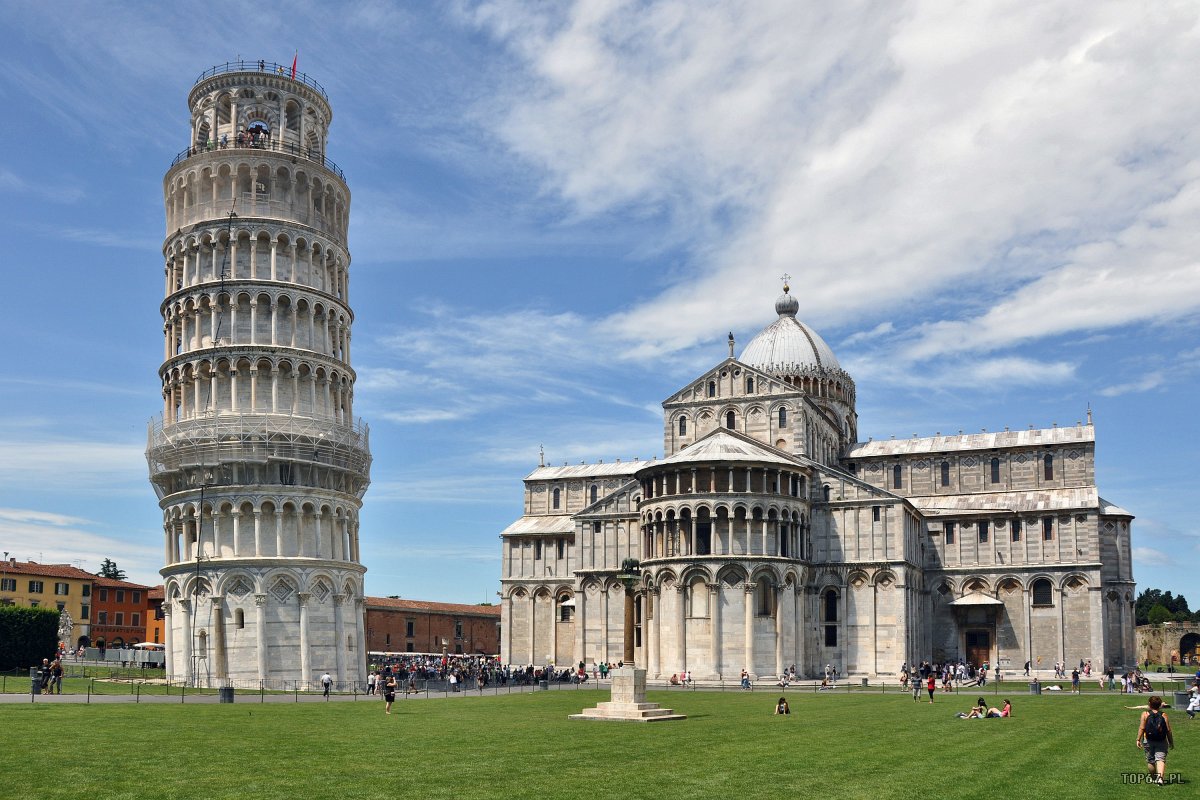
(522, 746)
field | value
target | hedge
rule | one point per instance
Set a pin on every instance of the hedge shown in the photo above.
(27, 635)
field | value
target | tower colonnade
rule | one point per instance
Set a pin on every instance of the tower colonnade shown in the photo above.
(263, 252)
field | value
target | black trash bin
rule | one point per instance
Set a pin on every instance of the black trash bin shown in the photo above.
(544, 685)
(226, 694)
(1181, 700)
(1035, 688)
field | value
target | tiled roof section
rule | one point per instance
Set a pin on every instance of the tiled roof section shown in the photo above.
(974, 441)
(991, 502)
(615, 469)
(723, 445)
(113, 583)
(156, 593)
(1112, 509)
(558, 523)
(46, 570)
(399, 604)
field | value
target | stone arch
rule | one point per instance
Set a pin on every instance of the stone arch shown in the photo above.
(976, 583)
(1074, 581)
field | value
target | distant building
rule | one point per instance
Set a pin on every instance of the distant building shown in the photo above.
(119, 610)
(417, 626)
(769, 536)
(1169, 643)
(58, 586)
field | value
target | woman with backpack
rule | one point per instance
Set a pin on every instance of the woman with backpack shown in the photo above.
(1154, 736)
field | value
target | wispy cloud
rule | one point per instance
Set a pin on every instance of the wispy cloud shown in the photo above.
(877, 168)
(1147, 382)
(1149, 557)
(73, 465)
(49, 537)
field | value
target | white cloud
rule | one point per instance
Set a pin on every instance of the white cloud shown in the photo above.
(882, 329)
(1149, 557)
(72, 465)
(887, 159)
(49, 538)
(1152, 380)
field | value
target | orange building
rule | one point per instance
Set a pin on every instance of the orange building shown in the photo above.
(154, 617)
(120, 610)
(416, 626)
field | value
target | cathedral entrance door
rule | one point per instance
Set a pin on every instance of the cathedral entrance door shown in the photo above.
(979, 646)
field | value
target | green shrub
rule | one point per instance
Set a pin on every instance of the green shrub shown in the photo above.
(27, 635)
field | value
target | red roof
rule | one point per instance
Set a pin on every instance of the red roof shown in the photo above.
(113, 583)
(156, 593)
(45, 570)
(425, 605)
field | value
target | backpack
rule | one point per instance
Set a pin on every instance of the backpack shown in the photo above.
(1156, 726)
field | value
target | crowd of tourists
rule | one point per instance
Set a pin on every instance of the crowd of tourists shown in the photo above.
(949, 673)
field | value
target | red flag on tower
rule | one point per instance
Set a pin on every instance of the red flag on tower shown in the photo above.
(294, 59)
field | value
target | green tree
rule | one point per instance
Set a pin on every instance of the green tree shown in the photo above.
(27, 635)
(1160, 614)
(109, 569)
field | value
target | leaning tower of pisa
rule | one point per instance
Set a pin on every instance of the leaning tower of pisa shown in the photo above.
(258, 461)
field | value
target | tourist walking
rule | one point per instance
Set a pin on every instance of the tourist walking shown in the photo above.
(327, 682)
(389, 693)
(1154, 736)
(371, 680)
(931, 685)
(1074, 681)
(56, 676)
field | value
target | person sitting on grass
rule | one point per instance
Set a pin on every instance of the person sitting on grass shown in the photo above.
(978, 711)
(1000, 713)
(782, 706)
(1193, 703)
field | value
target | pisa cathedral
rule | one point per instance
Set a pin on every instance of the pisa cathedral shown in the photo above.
(768, 536)
(258, 461)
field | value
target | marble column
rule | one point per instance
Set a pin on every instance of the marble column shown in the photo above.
(714, 610)
(220, 655)
(681, 628)
(185, 652)
(778, 629)
(260, 632)
(748, 605)
(168, 609)
(305, 668)
(339, 637)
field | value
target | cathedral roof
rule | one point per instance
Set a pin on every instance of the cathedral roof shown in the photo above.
(555, 523)
(990, 502)
(615, 469)
(725, 445)
(1112, 509)
(974, 441)
(787, 345)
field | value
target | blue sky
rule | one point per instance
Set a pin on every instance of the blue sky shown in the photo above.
(990, 212)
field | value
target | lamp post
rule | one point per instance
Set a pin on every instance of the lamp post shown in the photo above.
(628, 577)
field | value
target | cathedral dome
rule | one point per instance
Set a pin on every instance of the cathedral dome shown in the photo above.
(787, 345)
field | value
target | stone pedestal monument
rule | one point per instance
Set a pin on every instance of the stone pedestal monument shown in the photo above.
(628, 703)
